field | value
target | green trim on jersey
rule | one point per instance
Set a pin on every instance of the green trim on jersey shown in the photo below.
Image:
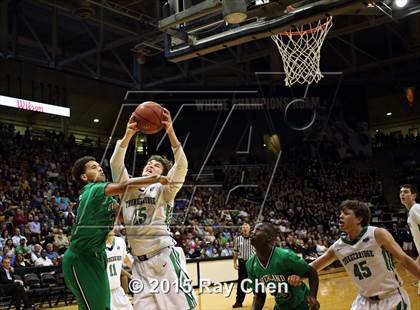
(95, 218)
(354, 241)
(388, 260)
(280, 266)
(182, 277)
(402, 304)
(112, 245)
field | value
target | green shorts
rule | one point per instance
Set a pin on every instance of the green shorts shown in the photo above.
(85, 274)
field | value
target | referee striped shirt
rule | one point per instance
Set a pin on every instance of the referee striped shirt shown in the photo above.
(244, 247)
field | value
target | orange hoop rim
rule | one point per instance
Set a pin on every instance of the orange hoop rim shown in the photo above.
(311, 30)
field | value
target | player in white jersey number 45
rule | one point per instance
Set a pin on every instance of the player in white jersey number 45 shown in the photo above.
(367, 253)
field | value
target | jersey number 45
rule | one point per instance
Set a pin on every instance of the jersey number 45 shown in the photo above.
(362, 271)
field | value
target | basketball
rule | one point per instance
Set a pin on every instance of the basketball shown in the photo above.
(149, 117)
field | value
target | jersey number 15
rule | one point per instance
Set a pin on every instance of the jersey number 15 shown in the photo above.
(140, 216)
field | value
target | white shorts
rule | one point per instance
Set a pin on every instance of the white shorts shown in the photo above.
(399, 300)
(120, 301)
(166, 283)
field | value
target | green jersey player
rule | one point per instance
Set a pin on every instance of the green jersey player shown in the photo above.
(84, 264)
(270, 267)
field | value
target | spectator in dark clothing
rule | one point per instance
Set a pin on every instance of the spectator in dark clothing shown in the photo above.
(395, 232)
(20, 262)
(20, 220)
(13, 287)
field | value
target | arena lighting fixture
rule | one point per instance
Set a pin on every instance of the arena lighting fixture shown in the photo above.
(389, 114)
(96, 120)
(234, 11)
(401, 3)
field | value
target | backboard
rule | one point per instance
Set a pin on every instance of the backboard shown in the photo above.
(199, 28)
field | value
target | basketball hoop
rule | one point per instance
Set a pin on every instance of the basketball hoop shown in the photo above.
(300, 51)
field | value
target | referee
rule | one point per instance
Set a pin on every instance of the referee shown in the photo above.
(242, 251)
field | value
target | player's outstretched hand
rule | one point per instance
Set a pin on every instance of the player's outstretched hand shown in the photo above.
(294, 280)
(166, 119)
(313, 303)
(132, 126)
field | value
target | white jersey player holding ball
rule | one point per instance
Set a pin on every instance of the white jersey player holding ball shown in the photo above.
(147, 214)
(367, 253)
(116, 253)
(408, 194)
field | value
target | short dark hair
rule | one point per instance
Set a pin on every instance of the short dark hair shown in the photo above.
(270, 230)
(4, 259)
(360, 209)
(79, 167)
(412, 188)
(166, 163)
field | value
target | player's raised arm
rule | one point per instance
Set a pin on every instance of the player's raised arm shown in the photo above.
(324, 260)
(385, 239)
(118, 169)
(133, 184)
(180, 168)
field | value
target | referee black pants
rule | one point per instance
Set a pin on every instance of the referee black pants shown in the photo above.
(242, 275)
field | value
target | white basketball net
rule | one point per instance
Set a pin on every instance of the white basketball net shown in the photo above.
(301, 52)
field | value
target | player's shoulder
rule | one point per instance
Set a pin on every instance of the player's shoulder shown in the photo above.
(250, 262)
(94, 186)
(415, 209)
(340, 241)
(278, 251)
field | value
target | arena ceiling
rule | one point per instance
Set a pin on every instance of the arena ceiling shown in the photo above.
(103, 39)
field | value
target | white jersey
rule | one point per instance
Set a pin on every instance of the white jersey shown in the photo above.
(147, 213)
(370, 266)
(115, 254)
(414, 223)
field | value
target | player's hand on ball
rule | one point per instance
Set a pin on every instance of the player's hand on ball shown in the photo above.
(294, 280)
(132, 126)
(313, 303)
(166, 119)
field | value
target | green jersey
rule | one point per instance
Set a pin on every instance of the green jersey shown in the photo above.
(95, 218)
(281, 264)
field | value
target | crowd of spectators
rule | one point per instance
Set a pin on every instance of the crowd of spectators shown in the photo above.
(389, 140)
(38, 198)
(38, 201)
(302, 201)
